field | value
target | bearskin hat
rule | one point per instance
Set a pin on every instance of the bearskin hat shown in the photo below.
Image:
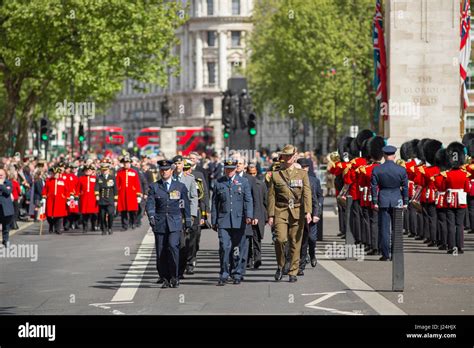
(374, 147)
(441, 159)
(456, 155)
(466, 138)
(344, 146)
(354, 149)
(470, 148)
(408, 149)
(363, 135)
(430, 148)
(419, 149)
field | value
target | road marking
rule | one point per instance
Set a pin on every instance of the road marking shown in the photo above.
(113, 311)
(133, 278)
(327, 295)
(26, 225)
(370, 296)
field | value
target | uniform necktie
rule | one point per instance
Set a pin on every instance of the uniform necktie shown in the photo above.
(167, 186)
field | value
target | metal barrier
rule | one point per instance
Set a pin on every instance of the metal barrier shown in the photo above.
(398, 267)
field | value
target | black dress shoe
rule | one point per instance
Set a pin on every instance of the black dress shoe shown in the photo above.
(383, 258)
(221, 282)
(426, 241)
(174, 283)
(300, 272)
(431, 244)
(340, 234)
(411, 235)
(160, 281)
(442, 247)
(286, 269)
(293, 279)
(166, 284)
(314, 262)
(418, 238)
(189, 270)
(257, 264)
(278, 274)
(460, 251)
(236, 281)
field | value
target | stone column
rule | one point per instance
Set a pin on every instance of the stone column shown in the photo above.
(198, 8)
(422, 39)
(199, 71)
(182, 61)
(223, 60)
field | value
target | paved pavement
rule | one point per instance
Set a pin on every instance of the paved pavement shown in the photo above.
(89, 273)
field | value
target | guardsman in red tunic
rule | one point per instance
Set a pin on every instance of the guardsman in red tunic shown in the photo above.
(439, 185)
(418, 179)
(457, 188)
(351, 182)
(87, 202)
(337, 168)
(55, 194)
(408, 154)
(369, 215)
(129, 195)
(428, 197)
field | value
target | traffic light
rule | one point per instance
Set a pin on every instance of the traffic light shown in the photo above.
(81, 133)
(44, 129)
(226, 114)
(252, 124)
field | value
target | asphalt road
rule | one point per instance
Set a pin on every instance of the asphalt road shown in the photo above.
(89, 273)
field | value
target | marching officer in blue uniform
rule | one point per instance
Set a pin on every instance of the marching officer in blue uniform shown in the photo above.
(389, 184)
(6, 206)
(232, 210)
(167, 206)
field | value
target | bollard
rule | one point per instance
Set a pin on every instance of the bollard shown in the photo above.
(320, 226)
(350, 241)
(398, 267)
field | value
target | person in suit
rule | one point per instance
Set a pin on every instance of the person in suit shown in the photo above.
(187, 235)
(232, 210)
(310, 232)
(389, 187)
(167, 205)
(6, 206)
(259, 196)
(106, 196)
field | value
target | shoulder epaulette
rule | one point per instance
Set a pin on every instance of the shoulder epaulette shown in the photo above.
(362, 169)
(422, 170)
(444, 173)
(339, 165)
(346, 170)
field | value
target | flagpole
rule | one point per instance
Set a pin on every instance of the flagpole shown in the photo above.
(461, 123)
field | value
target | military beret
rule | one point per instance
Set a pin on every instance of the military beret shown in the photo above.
(304, 162)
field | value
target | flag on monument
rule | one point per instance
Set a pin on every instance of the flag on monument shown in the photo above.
(465, 53)
(380, 72)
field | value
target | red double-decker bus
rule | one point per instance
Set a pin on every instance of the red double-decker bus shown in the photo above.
(106, 137)
(187, 138)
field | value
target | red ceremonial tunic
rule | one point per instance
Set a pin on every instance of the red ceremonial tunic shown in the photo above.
(410, 173)
(439, 183)
(456, 182)
(470, 169)
(128, 187)
(366, 185)
(350, 177)
(56, 193)
(73, 187)
(337, 170)
(87, 201)
(428, 192)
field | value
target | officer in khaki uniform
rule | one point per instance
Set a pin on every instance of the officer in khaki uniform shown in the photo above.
(289, 205)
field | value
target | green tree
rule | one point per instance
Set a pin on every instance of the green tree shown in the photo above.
(47, 46)
(302, 56)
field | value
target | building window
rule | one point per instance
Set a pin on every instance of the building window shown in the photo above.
(211, 38)
(469, 122)
(235, 38)
(210, 7)
(211, 73)
(208, 107)
(235, 7)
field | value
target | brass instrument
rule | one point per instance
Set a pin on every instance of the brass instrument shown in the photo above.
(401, 162)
